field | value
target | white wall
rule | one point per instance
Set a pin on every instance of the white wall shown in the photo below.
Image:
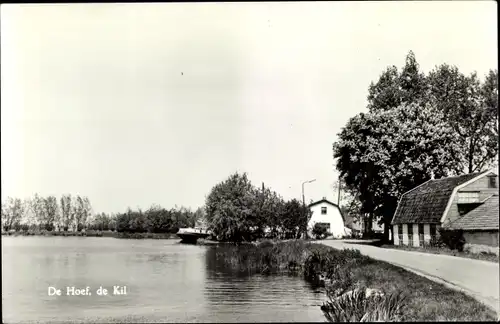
(427, 233)
(405, 234)
(332, 216)
(416, 240)
(396, 235)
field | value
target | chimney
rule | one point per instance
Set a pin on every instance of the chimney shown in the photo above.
(324, 198)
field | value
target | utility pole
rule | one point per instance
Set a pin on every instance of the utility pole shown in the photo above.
(338, 197)
(304, 204)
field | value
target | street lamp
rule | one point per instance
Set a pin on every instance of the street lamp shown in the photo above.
(304, 203)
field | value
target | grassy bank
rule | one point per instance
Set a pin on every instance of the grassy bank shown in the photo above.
(401, 295)
(491, 257)
(91, 233)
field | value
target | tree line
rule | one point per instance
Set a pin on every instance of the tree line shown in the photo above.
(74, 213)
(237, 211)
(154, 220)
(417, 127)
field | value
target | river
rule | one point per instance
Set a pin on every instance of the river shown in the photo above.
(165, 282)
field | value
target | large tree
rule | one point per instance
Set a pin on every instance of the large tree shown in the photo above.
(229, 208)
(382, 155)
(268, 209)
(471, 108)
(394, 88)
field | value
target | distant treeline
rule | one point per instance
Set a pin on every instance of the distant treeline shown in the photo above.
(154, 220)
(71, 213)
(74, 214)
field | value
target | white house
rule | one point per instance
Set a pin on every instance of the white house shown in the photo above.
(328, 214)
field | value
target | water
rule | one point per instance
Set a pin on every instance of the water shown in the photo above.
(166, 282)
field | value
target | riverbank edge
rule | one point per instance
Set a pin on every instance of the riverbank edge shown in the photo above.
(427, 300)
(91, 233)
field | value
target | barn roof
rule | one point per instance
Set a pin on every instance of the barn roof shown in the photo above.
(483, 217)
(427, 203)
(324, 200)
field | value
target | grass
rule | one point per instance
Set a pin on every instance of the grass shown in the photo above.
(491, 257)
(92, 233)
(405, 295)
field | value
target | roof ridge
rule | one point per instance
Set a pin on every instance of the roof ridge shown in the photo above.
(459, 176)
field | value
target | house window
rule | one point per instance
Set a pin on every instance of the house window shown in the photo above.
(324, 225)
(400, 233)
(323, 210)
(467, 197)
(432, 230)
(421, 234)
(410, 234)
(492, 183)
(465, 208)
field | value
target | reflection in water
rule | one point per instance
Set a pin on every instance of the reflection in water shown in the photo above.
(166, 282)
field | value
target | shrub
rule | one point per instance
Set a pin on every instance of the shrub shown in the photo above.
(359, 306)
(453, 239)
(319, 231)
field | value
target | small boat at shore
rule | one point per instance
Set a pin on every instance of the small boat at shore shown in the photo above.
(191, 235)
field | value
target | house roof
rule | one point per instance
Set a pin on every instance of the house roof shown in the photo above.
(324, 200)
(483, 217)
(427, 203)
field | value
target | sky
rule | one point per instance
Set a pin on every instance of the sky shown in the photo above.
(135, 104)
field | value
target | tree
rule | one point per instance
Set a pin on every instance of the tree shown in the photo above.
(294, 219)
(66, 211)
(138, 222)
(471, 108)
(29, 220)
(12, 213)
(79, 214)
(412, 82)
(268, 211)
(87, 212)
(229, 209)
(50, 212)
(200, 217)
(385, 154)
(393, 88)
(350, 205)
(159, 219)
(40, 215)
(123, 221)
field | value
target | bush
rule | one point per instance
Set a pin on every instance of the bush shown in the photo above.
(359, 306)
(453, 239)
(320, 231)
